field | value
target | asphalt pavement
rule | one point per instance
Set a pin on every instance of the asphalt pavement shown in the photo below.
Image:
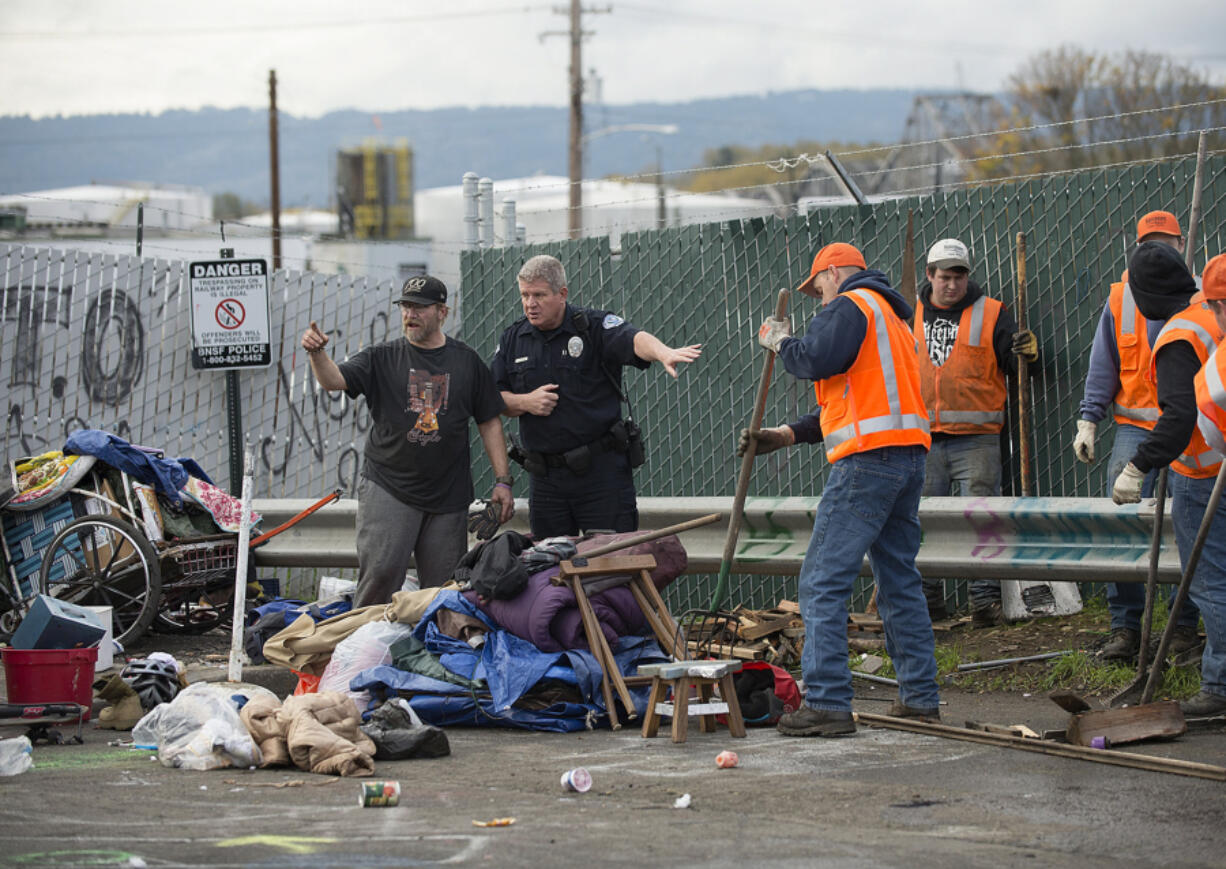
(880, 798)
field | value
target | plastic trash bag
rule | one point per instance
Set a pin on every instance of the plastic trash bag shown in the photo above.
(398, 734)
(15, 755)
(200, 728)
(368, 646)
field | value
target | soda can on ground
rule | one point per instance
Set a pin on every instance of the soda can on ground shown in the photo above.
(379, 794)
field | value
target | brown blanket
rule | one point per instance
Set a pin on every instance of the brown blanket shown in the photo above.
(315, 732)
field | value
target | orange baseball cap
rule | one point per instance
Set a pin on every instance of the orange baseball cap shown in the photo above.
(1213, 281)
(836, 254)
(1158, 221)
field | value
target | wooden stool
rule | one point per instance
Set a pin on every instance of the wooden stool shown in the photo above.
(702, 676)
(588, 576)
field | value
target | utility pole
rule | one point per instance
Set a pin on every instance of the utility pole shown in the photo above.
(575, 33)
(574, 221)
(275, 171)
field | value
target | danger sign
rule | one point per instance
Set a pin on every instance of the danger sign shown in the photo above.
(230, 318)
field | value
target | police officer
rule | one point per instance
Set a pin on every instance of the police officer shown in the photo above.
(559, 370)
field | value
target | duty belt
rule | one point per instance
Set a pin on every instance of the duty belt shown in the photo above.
(606, 443)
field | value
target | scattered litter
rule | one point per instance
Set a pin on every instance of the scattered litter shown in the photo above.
(726, 759)
(1100, 742)
(137, 862)
(496, 822)
(15, 755)
(578, 780)
(682, 802)
(289, 783)
(204, 787)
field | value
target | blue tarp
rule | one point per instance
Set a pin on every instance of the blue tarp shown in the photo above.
(510, 667)
(168, 476)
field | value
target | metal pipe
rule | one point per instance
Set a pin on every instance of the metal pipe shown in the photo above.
(471, 217)
(1005, 662)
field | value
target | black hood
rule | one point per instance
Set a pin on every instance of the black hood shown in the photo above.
(1159, 279)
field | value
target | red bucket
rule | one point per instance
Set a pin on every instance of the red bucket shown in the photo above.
(50, 676)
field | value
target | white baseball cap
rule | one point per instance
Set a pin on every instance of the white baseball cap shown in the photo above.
(949, 253)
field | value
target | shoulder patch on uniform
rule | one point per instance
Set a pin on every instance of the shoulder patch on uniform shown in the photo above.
(611, 321)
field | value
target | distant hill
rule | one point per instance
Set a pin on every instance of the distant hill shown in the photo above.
(227, 150)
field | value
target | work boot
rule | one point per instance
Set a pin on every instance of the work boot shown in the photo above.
(898, 709)
(1204, 705)
(1122, 645)
(988, 616)
(1184, 638)
(807, 721)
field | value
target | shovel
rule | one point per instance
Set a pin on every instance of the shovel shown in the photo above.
(1131, 695)
(742, 482)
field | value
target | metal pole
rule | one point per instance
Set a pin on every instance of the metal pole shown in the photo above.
(575, 216)
(274, 169)
(1194, 219)
(471, 218)
(235, 673)
(845, 180)
(234, 423)
(140, 226)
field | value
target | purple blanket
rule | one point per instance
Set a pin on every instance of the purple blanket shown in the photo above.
(547, 616)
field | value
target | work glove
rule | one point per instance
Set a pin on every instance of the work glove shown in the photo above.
(1127, 488)
(483, 520)
(773, 331)
(1083, 444)
(767, 440)
(1026, 345)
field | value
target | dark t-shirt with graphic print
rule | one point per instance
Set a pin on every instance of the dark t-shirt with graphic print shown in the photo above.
(420, 402)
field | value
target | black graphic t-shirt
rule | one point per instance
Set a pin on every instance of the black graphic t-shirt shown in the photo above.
(420, 402)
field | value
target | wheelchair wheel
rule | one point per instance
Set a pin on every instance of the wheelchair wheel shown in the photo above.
(195, 610)
(104, 561)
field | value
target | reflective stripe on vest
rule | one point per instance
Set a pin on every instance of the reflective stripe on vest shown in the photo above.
(1136, 400)
(893, 376)
(966, 395)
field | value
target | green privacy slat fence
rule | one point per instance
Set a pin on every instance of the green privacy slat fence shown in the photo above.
(713, 284)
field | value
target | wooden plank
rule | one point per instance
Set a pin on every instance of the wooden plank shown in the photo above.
(615, 564)
(1162, 720)
(788, 606)
(765, 628)
(1055, 749)
(746, 653)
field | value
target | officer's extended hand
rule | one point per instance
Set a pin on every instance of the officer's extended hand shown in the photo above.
(1127, 488)
(506, 503)
(674, 355)
(1083, 444)
(314, 339)
(773, 331)
(766, 440)
(542, 400)
(1026, 345)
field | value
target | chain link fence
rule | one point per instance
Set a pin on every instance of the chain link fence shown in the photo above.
(714, 284)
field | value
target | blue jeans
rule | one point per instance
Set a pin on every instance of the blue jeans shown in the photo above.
(1126, 600)
(1208, 589)
(965, 466)
(870, 505)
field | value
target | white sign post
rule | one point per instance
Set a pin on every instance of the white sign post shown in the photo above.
(230, 317)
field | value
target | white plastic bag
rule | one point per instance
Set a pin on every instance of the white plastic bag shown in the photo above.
(200, 728)
(15, 755)
(368, 646)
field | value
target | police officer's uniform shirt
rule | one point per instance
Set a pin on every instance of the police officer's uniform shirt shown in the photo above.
(588, 405)
(420, 402)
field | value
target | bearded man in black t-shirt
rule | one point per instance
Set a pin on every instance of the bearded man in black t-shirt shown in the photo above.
(417, 483)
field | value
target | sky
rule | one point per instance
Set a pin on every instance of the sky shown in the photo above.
(64, 57)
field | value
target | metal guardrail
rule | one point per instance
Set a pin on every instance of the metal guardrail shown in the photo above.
(1059, 539)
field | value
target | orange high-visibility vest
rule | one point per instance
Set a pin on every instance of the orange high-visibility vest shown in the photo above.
(1196, 325)
(1211, 401)
(966, 395)
(1136, 401)
(876, 402)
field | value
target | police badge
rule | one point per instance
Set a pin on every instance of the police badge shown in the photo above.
(575, 346)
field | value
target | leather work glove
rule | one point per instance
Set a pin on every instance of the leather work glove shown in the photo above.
(1026, 345)
(773, 331)
(483, 521)
(767, 440)
(1127, 488)
(1083, 444)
